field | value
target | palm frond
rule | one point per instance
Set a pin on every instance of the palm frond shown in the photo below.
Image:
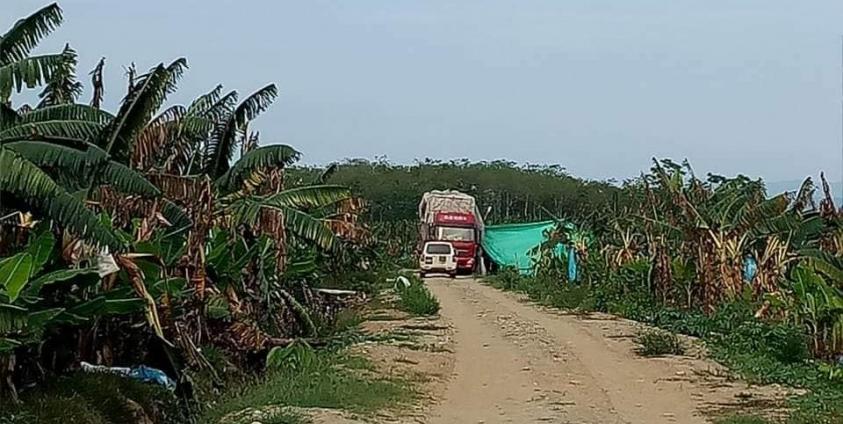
(308, 197)
(13, 318)
(308, 228)
(299, 223)
(255, 104)
(174, 214)
(172, 113)
(204, 102)
(126, 180)
(29, 72)
(251, 142)
(8, 116)
(66, 129)
(228, 133)
(62, 87)
(26, 181)
(824, 262)
(145, 97)
(57, 276)
(222, 108)
(805, 196)
(274, 156)
(196, 127)
(80, 165)
(67, 112)
(247, 211)
(155, 136)
(16, 43)
(169, 142)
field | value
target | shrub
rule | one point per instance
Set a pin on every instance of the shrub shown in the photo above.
(297, 356)
(344, 322)
(783, 342)
(507, 278)
(658, 343)
(55, 410)
(638, 306)
(547, 289)
(571, 297)
(94, 398)
(416, 299)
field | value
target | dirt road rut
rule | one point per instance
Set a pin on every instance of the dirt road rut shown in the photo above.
(519, 363)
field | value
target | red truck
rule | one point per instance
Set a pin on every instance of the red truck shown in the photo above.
(452, 216)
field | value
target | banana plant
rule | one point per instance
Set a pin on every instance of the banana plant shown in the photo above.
(19, 69)
(24, 315)
(818, 306)
(27, 312)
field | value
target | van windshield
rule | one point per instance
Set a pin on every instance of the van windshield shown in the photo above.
(438, 249)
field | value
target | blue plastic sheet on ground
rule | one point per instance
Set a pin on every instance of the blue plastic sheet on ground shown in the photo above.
(512, 245)
(152, 375)
(141, 373)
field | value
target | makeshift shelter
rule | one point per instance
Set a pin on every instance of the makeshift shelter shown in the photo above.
(514, 245)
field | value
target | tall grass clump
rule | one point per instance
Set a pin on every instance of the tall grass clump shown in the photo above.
(416, 298)
(301, 376)
(95, 398)
(659, 343)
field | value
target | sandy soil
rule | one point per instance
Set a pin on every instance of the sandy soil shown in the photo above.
(493, 357)
(515, 362)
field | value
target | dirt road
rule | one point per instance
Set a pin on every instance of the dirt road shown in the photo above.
(520, 363)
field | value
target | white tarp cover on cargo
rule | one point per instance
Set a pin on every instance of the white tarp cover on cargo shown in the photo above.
(448, 201)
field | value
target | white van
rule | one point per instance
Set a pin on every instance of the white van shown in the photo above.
(438, 257)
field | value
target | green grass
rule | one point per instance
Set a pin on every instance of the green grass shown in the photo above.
(743, 419)
(545, 290)
(659, 343)
(417, 299)
(93, 398)
(328, 380)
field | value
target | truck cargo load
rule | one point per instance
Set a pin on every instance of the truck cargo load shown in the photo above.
(448, 201)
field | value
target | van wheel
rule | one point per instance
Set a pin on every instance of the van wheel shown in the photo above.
(453, 275)
(422, 274)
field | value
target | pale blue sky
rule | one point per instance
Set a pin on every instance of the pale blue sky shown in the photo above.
(598, 86)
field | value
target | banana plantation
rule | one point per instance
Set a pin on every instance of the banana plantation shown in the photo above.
(133, 236)
(709, 242)
(169, 235)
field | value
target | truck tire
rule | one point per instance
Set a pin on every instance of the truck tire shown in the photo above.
(422, 274)
(453, 275)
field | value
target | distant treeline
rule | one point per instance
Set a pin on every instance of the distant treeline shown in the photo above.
(510, 192)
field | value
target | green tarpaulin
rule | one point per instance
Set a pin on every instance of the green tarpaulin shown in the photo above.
(510, 244)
